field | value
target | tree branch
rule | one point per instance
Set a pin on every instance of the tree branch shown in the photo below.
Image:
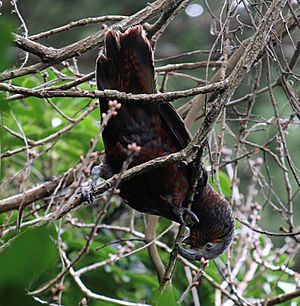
(113, 94)
(282, 298)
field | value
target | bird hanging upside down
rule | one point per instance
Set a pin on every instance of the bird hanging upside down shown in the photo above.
(127, 66)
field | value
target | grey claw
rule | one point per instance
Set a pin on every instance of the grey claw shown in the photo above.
(96, 172)
(184, 212)
(87, 195)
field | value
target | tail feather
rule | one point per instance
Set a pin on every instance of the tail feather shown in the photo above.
(105, 73)
(126, 64)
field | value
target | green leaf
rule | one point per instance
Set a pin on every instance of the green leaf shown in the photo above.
(167, 298)
(224, 182)
(23, 260)
(30, 82)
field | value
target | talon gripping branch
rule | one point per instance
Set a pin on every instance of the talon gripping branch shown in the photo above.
(127, 65)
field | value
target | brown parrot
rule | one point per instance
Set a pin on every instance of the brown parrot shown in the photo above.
(126, 65)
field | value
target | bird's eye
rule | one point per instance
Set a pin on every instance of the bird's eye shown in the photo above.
(209, 245)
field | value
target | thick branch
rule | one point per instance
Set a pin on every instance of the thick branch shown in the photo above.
(282, 298)
(113, 94)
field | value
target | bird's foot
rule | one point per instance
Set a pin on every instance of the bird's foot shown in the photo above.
(96, 174)
(186, 214)
(103, 170)
(87, 194)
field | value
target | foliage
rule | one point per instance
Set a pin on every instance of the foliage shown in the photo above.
(26, 259)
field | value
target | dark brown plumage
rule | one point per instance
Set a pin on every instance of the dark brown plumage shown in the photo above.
(214, 232)
(127, 65)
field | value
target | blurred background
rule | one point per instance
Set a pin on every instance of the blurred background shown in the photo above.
(193, 29)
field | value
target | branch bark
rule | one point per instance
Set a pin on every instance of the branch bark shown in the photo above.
(282, 298)
(113, 94)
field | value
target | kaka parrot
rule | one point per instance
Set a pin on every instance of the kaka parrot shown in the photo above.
(126, 65)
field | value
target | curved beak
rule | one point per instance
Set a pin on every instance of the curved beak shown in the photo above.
(188, 254)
